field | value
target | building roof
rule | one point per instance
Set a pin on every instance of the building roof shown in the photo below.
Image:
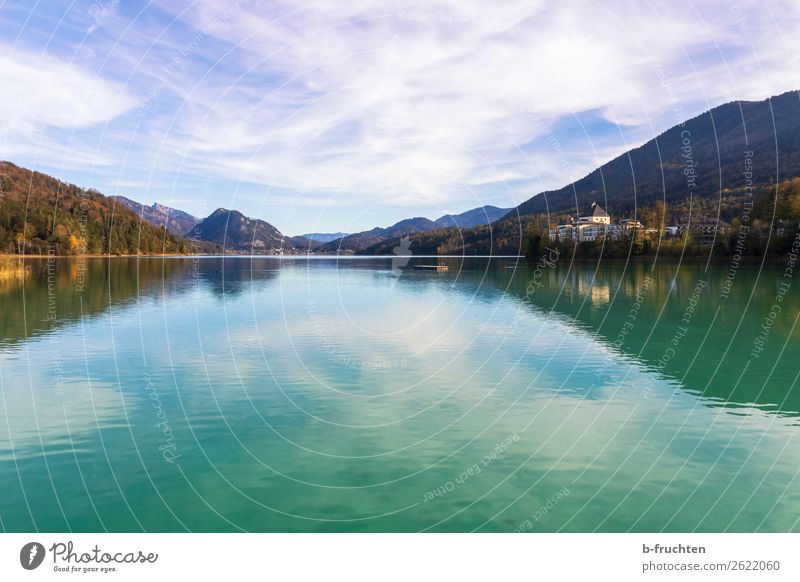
(598, 210)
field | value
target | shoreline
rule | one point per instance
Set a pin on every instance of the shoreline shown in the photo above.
(637, 259)
(245, 256)
(7, 256)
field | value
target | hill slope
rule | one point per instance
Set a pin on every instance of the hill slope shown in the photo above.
(40, 214)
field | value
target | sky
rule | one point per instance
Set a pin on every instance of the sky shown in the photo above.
(344, 115)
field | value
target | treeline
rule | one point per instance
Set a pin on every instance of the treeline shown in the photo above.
(42, 215)
(768, 226)
(504, 237)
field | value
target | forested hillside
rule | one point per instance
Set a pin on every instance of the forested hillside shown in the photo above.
(42, 215)
(704, 156)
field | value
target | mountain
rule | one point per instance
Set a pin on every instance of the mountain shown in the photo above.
(325, 237)
(702, 157)
(40, 214)
(475, 217)
(233, 231)
(301, 243)
(176, 221)
(362, 240)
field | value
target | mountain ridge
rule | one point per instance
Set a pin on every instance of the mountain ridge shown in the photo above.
(362, 240)
(325, 237)
(717, 140)
(475, 217)
(176, 221)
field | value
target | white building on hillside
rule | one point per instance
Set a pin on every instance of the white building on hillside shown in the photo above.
(586, 228)
(598, 225)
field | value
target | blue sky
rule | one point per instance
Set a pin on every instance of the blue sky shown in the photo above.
(341, 116)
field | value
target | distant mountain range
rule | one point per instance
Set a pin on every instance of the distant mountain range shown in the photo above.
(361, 241)
(176, 221)
(233, 231)
(325, 237)
(474, 217)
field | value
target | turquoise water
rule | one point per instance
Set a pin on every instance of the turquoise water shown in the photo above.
(323, 395)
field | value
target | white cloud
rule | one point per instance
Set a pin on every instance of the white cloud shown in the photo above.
(39, 90)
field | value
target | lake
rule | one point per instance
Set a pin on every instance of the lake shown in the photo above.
(291, 394)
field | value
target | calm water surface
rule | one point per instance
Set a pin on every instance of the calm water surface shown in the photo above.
(323, 395)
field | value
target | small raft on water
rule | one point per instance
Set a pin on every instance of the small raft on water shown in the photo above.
(431, 267)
